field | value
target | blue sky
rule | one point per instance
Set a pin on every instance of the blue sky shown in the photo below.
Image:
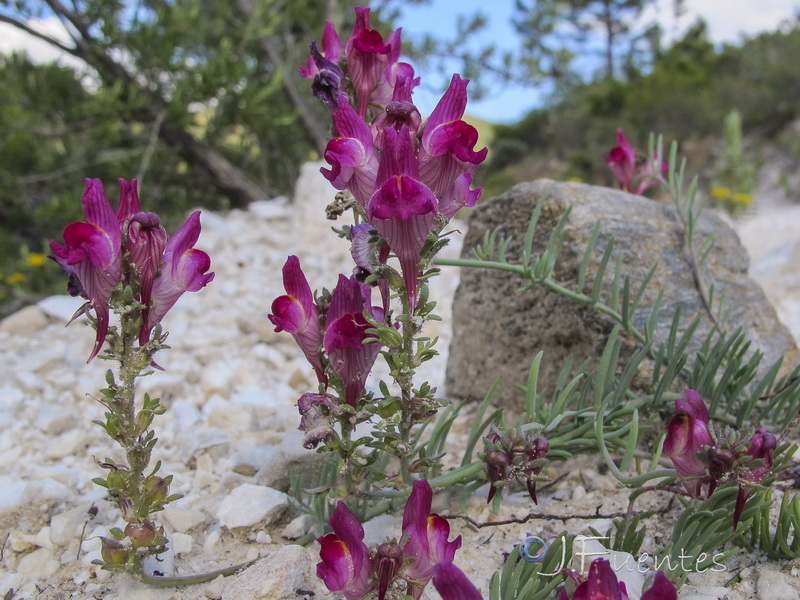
(728, 20)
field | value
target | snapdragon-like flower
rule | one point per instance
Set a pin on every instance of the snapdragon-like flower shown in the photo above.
(687, 435)
(183, 269)
(297, 314)
(602, 584)
(346, 567)
(427, 541)
(353, 158)
(93, 249)
(367, 56)
(345, 333)
(447, 146)
(403, 209)
(632, 170)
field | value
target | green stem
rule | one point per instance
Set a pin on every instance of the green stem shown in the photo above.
(194, 579)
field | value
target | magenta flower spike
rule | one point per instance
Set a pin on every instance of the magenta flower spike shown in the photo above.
(762, 447)
(297, 314)
(448, 142)
(601, 584)
(688, 434)
(452, 584)
(622, 161)
(93, 249)
(427, 541)
(346, 567)
(403, 209)
(345, 332)
(367, 55)
(662, 589)
(351, 154)
(183, 269)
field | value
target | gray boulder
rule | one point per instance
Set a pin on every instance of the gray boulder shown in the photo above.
(497, 330)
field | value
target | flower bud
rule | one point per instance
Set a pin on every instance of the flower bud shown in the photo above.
(157, 489)
(114, 552)
(142, 533)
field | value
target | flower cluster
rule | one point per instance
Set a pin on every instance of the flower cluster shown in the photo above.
(349, 568)
(703, 460)
(632, 169)
(602, 584)
(406, 184)
(129, 250)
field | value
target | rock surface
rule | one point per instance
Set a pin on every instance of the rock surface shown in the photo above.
(497, 330)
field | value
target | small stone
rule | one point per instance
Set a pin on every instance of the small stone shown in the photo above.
(43, 538)
(57, 419)
(61, 308)
(298, 527)
(212, 539)
(290, 457)
(382, 528)
(25, 321)
(20, 541)
(11, 492)
(279, 575)
(182, 543)
(183, 519)
(250, 504)
(214, 589)
(248, 461)
(578, 492)
(195, 440)
(262, 537)
(38, 564)
(43, 490)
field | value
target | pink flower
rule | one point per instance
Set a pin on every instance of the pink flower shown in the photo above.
(351, 154)
(367, 56)
(346, 567)
(403, 209)
(687, 435)
(93, 249)
(345, 332)
(427, 541)
(447, 147)
(297, 314)
(183, 269)
(631, 168)
(602, 584)
(622, 161)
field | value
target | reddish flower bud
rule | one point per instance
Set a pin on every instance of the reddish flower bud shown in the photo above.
(141, 532)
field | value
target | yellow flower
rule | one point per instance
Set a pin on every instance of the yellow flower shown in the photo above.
(574, 180)
(720, 193)
(741, 198)
(15, 278)
(36, 259)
